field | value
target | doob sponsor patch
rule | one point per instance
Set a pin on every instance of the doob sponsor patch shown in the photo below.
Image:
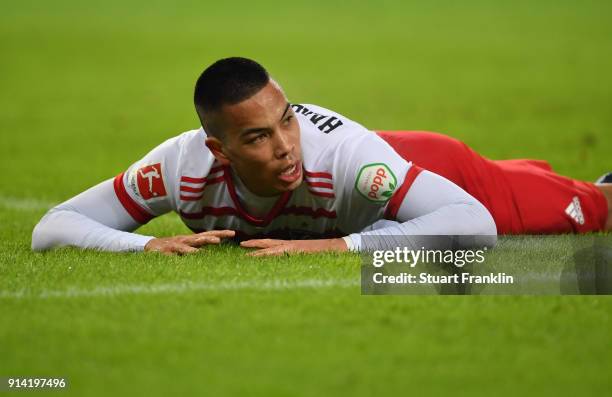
(376, 182)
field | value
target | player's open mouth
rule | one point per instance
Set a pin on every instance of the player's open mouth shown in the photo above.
(292, 173)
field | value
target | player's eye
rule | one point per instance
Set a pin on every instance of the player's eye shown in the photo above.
(287, 120)
(257, 138)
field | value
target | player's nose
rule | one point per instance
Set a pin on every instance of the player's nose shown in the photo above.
(283, 146)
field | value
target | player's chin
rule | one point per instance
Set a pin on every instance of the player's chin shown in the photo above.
(290, 181)
(294, 185)
(289, 186)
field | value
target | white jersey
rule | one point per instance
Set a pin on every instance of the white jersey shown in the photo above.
(351, 177)
(352, 180)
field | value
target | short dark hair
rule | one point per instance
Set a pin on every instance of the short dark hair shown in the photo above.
(226, 82)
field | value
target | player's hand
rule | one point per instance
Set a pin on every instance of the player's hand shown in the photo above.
(267, 247)
(187, 244)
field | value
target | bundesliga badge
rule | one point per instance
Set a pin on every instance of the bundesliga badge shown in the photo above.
(150, 181)
(376, 182)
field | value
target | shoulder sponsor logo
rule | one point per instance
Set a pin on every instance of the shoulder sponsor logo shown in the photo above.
(376, 182)
(150, 181)
(574, 210)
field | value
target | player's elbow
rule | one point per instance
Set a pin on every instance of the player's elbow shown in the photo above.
(484, 225)
(44, 233)
(40, 235)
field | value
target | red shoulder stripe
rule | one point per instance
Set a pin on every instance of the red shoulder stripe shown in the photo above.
(397, 199)
(325, 175)
(322, 194)
(190, 189)
(319, 184)
(132, 207)
(207, 180)
(191, 198)
(191, 179)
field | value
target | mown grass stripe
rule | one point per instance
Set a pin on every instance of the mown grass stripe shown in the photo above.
(25, 204)
(177, 288)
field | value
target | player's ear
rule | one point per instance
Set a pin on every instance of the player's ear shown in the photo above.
(216, 147)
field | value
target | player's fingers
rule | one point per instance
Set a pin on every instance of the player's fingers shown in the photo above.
(166, 251)
(262, 243)
(183, 249)
(189, 238)
(218, 233)
(198, 241)
(272, 251)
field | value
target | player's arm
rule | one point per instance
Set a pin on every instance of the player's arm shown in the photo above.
(93, 219)
(428, 206)
(96, 219)
(105, 216)
(419, 204)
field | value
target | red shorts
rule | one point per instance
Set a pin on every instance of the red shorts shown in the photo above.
(524, 196)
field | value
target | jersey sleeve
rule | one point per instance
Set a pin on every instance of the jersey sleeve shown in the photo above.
(146, 188)
(433, 206)
(94, 219)
(372, 177)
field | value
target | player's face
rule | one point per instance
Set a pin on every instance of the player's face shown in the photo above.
(262, 141)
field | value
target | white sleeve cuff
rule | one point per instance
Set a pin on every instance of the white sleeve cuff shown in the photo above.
(353, 242)
(139, 241)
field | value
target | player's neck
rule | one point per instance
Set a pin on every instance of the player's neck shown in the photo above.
(254, 204)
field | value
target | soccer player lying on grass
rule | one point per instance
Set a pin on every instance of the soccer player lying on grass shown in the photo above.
(317, 181)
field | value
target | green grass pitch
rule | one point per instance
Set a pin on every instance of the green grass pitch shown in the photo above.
(86, 89)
